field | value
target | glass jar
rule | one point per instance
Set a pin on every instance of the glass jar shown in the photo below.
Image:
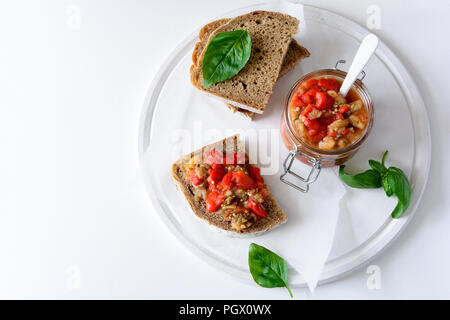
(315, 157)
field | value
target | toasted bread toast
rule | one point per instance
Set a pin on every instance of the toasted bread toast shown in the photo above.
(275, 215)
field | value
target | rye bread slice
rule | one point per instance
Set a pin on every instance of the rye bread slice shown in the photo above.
(294, 54)
(251, 88)
(275, 215)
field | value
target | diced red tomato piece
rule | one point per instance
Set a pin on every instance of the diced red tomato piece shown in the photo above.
(312, 132)
(345, 131)
(243, 181)
(329, 84)
(218, 167)
(309, 96)
(257, 208)
(227, 180)
(216, 172)
(213, 185)
(307, 110)
(311, 83)
(255, 173)
(238, 178)
(344, 109)
(324, 101)
(214, 200)
(296, 101)
(195, 180)
(312, 123)
(318, 137)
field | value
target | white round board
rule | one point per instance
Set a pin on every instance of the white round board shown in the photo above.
(174, 112)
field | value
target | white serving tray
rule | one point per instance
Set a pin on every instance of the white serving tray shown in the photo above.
(173, 109)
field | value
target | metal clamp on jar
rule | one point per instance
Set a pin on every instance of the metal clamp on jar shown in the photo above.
(315, 154)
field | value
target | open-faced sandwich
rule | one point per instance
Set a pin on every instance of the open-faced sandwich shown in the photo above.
(274, 53)
(224, 189)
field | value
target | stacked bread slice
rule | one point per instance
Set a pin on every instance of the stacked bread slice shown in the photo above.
(274, 53)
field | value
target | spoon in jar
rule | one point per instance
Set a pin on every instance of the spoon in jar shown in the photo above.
(365, 51)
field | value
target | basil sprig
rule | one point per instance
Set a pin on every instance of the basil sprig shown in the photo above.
(225, 56)
(395, 182)
(392, 179)
(267, 268)
(367, 180)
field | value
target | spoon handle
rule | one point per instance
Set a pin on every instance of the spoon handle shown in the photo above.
(365, 51)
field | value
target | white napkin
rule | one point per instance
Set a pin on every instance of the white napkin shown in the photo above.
(306, 239)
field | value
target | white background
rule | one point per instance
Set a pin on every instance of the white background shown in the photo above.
(71, 198)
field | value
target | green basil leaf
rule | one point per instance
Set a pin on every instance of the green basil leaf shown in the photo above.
(393, 180)
(225, 56)
(384, 157)
(367, 180)
(399, 184)
(377, 166)
(398, 211)
(386, 186)
(267, 268)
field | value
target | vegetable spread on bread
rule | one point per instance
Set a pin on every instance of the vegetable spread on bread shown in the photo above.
(229, 185)
(225, 190)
